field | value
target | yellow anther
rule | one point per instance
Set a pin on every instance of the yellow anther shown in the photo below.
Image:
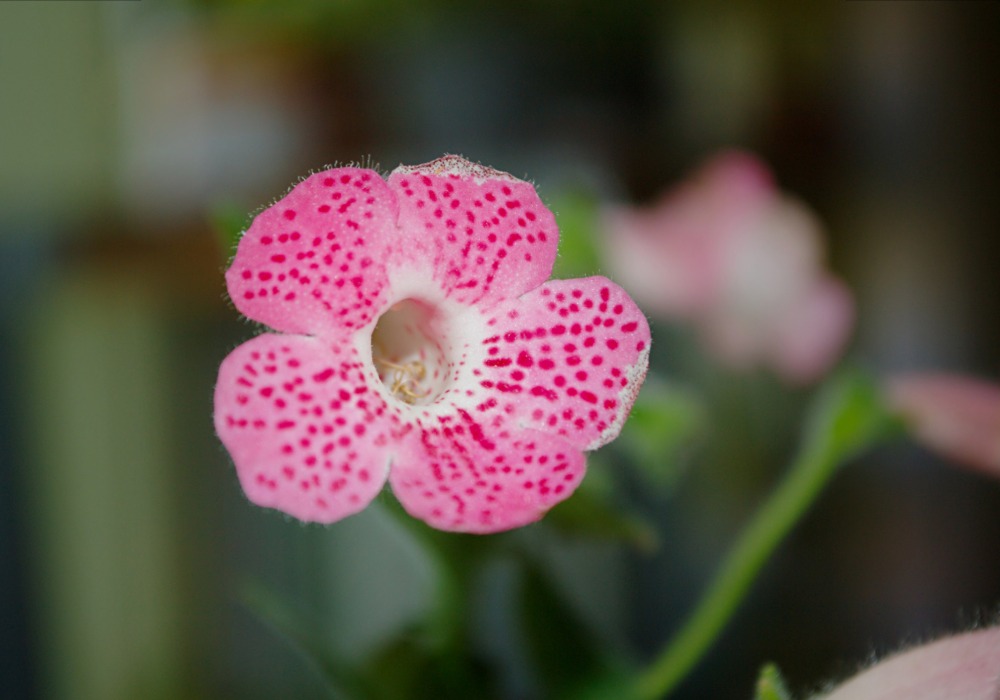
(405, 378)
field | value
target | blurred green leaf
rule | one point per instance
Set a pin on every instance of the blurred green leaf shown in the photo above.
(344, 21)
(664, 427)
(561, 648)
(612, 684)
(408, 668)
(455, 559)
(340, 680)
(771, 685)
(591, 513)
(229, 220)
(576, 216)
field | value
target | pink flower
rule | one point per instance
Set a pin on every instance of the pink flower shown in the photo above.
(729, 253)
(954, 415)
(962, 667)
(419, 342)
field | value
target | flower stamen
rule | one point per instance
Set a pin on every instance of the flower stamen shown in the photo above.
(405, 380)
(409, 347)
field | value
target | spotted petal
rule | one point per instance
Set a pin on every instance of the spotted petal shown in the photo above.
(486, 234)
(462, 476)
(315, 261)
(307, 435)
(567, 358)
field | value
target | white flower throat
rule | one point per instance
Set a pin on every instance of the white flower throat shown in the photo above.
(410, 352)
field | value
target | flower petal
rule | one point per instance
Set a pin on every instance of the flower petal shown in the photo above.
(955, 415)
(673, 269)
(962, 667)
(306, 433)
(567, 358)
(315, 260)
(456, 478)
(486, 233)
(729, 252)
(812, 334)
(672, 255)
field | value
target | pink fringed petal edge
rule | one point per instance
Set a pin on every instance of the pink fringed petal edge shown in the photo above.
(314, 262)
(486, 234)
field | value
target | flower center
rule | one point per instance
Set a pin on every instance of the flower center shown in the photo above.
(409, 352)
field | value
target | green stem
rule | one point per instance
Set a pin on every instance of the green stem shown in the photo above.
(849, 417)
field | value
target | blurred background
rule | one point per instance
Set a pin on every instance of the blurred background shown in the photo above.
(129, 130)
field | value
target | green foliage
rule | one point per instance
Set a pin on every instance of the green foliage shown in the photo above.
(612, 684)
(345, 23)
(591, 513)
(434, 659)
(412, 664)
(662, 431)
(340, 681)
(228, 220)
(576, 216)
(342, 22)
(558, 644)
(771, 685)
(847, 416)
(408, 668)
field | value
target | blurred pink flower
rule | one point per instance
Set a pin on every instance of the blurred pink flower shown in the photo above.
(729, 253)
(962, 667)
(419, 342)
(951, 414)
